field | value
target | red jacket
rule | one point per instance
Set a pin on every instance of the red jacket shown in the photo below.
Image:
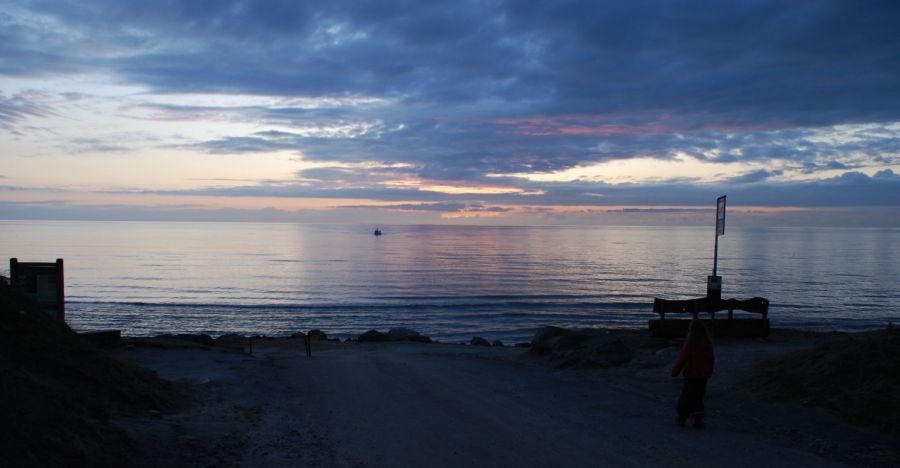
(696, 362)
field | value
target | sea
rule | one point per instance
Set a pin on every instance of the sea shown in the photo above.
(449, 282)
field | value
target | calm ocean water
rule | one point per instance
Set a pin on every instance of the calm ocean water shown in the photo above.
(448, 282)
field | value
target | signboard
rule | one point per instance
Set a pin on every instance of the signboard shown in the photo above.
(720, 216)
(43, 283)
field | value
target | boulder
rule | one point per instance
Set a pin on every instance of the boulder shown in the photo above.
(610, 354)
(406, 334)
(372, 336)
(298, 335)
(497, 344)
(421, 339)
(198, 338)
(394, 334)
(582, 348)
(479, 341)
(546, 339)
(231, 339)
(316, 334)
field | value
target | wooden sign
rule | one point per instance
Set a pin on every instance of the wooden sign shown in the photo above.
(720, 216)
(43, 283)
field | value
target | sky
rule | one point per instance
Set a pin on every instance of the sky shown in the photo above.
(487, 112)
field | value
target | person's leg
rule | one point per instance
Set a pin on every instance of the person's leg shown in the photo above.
(684, 403)
(699, 393)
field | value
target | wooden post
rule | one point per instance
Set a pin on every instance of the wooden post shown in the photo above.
(716, 255)
(60, 290)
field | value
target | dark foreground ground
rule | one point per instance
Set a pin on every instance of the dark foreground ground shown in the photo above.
(606, 399)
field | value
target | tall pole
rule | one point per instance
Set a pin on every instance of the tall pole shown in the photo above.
(716, 254)
(714, 282)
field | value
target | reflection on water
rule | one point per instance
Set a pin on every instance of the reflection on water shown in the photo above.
(448, 281)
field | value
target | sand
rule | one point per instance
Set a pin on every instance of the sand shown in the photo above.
(446, 405)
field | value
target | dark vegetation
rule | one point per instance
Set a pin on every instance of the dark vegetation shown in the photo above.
(59, 394)
(856, 376)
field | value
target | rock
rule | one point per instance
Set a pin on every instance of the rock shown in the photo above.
(395, 334)
(572, 341)
(610, 354)
(523, 345)
(403, 334)
(497, 344)
(316, 334)
(372, 336)
(231, 339)
(547, 338)
(582, 348)
(199, 338)
(348, 339)
(298, 335)
(479, 341)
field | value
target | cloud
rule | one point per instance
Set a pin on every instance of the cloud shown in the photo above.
(753, 176)
(851, 189)
(440, 207)
(447, 93)
(886, 175)
(765, 64)
(18, 107)
(435, 207)
(95, 145)
(237, 145)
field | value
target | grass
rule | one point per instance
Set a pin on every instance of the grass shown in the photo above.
(855, 376)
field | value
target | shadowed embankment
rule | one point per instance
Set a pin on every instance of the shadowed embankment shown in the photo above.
(59, 392)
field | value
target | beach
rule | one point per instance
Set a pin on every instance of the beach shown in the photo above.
(435, 404)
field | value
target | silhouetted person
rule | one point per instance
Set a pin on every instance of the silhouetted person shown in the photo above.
(696, 361)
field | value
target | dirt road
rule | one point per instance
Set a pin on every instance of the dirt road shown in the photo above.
(410, 405)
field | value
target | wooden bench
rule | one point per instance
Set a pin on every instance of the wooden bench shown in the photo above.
(728, 327)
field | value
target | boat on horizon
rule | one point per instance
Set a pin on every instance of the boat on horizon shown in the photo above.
(377, 232)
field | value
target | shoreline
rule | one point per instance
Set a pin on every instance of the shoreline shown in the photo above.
(464, 338)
